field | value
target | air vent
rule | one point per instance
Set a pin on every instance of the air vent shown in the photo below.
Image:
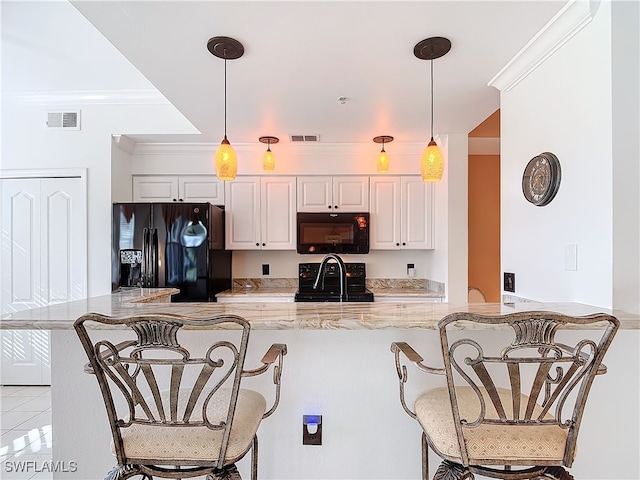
(304, 138)
(63, 120)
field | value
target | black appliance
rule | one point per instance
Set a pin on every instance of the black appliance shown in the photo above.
(333, 233)
(329, 291)
(177, 245)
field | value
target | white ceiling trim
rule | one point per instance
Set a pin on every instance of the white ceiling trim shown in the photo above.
(563, 26)
(300, 149)
(90, 97)
(124, 143)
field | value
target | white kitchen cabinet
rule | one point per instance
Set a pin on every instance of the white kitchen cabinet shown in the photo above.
(43, 262)
(333, 194)
(260, 213)
(401, 213)
(183, 188)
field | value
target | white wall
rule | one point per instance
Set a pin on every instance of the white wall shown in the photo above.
(564, 107)
(625, 27)
(27, 145)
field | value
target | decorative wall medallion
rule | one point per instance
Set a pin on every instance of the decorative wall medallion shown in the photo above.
(541, 179)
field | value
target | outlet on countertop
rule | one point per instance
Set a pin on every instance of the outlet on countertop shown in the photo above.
(265, 269)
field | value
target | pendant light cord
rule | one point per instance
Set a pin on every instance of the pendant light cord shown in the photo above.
(225, 93)
(432, 99)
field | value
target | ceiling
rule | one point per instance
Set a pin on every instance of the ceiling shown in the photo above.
(302, 56)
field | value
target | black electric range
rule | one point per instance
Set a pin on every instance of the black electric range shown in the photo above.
(355, 287)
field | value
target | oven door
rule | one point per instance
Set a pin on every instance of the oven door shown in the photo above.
(332, 233)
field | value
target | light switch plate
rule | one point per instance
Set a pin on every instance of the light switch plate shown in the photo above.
(571, 257)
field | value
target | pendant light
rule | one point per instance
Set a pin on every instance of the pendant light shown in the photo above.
(383, 158)
(225, 159)
(432, 163)
(268, 160)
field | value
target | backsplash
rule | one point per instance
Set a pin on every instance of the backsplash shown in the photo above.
(265, 283)
(394, 283)
(407, 284)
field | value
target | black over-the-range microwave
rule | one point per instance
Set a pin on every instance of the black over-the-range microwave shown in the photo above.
(333, 232)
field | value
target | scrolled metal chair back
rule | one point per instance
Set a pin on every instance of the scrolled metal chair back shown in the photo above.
(162, 383)
(534, 379)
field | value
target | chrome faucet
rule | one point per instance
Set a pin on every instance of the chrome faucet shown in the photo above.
(343, 274)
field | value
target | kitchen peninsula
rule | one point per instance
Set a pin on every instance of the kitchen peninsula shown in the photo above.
(339, 365)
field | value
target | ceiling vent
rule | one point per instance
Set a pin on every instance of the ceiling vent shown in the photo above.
(304, 138)
(63, 120)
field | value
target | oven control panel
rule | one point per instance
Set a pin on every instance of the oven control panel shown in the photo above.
(355, 272)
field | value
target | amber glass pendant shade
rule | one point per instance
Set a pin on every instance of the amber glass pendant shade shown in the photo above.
(432, 163)
(226, 161)
(383, 162)
(268, 160)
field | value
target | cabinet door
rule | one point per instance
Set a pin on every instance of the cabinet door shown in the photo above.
(315, 194)
(155, 188)
(242, 213)
(351, 194)
(201, 188)
(278, 213)
(416, 213)
(385, 213)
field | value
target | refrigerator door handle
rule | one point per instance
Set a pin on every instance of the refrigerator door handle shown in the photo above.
(154, 259)
(145, 257)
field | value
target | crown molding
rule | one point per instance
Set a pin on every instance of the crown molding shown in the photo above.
(563, 26)
(299, 150)
(89, 97)
(124, 143)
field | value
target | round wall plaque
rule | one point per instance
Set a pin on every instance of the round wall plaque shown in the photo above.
(541, 179)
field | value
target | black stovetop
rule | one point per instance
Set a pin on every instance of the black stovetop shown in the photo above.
(324, 296)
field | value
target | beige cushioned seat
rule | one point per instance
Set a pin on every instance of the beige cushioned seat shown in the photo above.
(197, 443)
(487, 442)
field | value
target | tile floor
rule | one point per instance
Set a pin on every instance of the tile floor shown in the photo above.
(25, 428)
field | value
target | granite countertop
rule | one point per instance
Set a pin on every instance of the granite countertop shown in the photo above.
(288, 315)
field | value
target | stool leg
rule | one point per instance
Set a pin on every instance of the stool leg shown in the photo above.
(254, 458)
(425, 458)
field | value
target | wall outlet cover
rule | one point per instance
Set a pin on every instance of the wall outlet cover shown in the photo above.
(509, 282)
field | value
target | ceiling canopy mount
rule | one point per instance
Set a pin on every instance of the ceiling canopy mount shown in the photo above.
(226, 48)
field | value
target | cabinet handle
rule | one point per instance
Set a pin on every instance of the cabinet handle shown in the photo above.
(403, 243)
(264, 244)
(397, 244)
(329, 206)
(335, 206)
(175, 200)
(181, 200)
(257, 244)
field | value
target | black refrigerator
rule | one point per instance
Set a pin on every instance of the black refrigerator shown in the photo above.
(177, 245)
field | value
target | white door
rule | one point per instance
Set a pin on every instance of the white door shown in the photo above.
(43, 261)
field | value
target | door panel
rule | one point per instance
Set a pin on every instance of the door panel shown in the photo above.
(43, 261)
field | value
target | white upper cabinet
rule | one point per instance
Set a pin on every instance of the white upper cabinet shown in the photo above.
(171, 188)
(401, 213)
(328, 194)
(261, 213)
